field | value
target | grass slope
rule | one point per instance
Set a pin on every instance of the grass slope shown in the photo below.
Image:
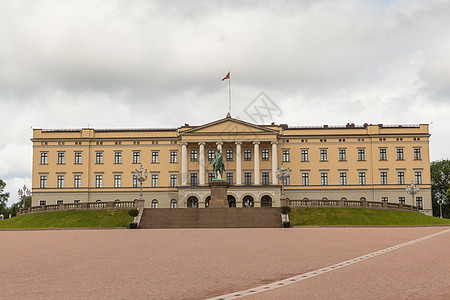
(352, 216)
(71, 219)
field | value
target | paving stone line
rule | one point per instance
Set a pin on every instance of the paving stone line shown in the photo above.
(304, 276)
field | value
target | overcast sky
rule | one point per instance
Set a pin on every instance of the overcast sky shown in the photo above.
(147, 64)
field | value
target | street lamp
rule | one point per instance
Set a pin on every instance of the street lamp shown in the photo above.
(140, 178)
(24, 193)
(282, 174)
(412, 189)
(440, 202)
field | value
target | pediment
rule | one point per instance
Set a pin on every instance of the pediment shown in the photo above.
(229, 126)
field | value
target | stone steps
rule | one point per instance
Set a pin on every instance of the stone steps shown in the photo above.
(233, 217)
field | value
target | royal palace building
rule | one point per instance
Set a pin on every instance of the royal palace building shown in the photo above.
(353, 162)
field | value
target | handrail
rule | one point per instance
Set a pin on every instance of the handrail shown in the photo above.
(351, 204)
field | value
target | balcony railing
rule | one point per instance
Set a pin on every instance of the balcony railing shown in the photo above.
(352, 204)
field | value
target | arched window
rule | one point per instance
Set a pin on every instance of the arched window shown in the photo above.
(192, 202)
(344, 199)
(362, 199)
(173, 203)
(248, 201)
(98, 200)
(266, 201)
(154, 203)
(207, 201)
(231, 201)
(324, 201)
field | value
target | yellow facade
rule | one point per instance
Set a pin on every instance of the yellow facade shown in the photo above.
(67, 164)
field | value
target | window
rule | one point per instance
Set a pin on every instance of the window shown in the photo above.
(362, 178)
(211, 176)
(247, 154)
(117, 181)
(400, 177)
(247, 178)
(43, 181)
(323, 178)
(77, 158)
(118, 157)
(98, 157)
(194, 155)
(323, 155)
(419, 202)
(362, 199)
(135, 181)
(136, 157)
(154, 203)
(76, 201)
(305, 178)
(383, 154)
(173, 157)
(264, 154)
(211, 154)
(173, 203)
(287, 180)
(286, 156)
(173, 180)
(194, 179)
(61, 158)
(155, 157)
(417, 154)
(230, 178)
(59, 201)
(343, 178)
(229, 154)
(383, 177)
(342, 154)
(44, 158)
(265, 178)
(155, 180)
(401, 200)
(384, 199)
(60, 181)
(400, 154)
(76, 181)
(98, 181)
(418, 177)
(305, 155)
(43, 202)
(361, 154)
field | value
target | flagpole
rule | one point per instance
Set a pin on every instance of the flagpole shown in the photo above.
(229, 93)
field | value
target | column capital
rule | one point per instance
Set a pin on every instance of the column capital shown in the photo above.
(255, 143)
(184, 143)
(238, 143)
(274, 143)
(201, 143)
(219, 143)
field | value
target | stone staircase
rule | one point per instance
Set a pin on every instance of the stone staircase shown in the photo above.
(233, 217)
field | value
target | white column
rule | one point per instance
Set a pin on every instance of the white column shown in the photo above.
(219, 146)
(274, 163)
(184, 164)
(201, 164)
(238, 163)
(256, 167)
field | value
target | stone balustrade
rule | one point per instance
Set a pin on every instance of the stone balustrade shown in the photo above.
(351, 204)
(83, 206)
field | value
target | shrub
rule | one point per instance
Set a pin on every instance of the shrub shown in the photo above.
(285, 210)
(133, 212)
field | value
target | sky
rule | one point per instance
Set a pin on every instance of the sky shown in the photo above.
(153, 64)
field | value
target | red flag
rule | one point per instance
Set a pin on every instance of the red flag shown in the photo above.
(226, 77)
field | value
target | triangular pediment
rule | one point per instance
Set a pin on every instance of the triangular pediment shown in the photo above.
(228, 126)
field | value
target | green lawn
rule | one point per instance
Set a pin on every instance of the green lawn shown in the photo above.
(351, 216)
(71, 219)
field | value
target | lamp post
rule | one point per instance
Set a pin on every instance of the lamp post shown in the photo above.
(440, 202)
(141, 177)
(282, 174)
(24, 193)
(412, 189)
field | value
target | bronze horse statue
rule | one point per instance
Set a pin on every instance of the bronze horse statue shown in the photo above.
(218, 165)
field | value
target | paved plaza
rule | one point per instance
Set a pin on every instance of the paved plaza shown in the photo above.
(206, 263)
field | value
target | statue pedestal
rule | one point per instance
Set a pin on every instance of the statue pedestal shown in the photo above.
(218, 193)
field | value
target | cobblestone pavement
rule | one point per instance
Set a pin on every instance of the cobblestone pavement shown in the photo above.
(203, 263)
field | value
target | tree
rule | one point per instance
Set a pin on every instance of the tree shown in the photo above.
(3, 199)
(440, 187)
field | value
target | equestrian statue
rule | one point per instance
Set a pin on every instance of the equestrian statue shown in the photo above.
(218, 165)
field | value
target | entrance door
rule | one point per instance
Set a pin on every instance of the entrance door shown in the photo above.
(192, 202)
(231, 201)
(266, 201)
(248, 201)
